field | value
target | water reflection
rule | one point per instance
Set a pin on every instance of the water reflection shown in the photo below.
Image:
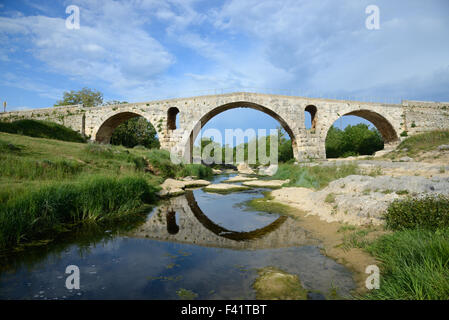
(196, 227)
(208, 243)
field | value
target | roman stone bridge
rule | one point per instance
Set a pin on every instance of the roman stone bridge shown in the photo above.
(394, 121)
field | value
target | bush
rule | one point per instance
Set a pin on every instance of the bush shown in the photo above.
(428, 213)
(41, 129)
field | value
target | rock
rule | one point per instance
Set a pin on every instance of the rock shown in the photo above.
(360, 199)
(273, 184)
(275, 284)
(405, 159)
(239, 178)
(172, 187)
(217, 171)
(443, 147)
(196, 183)
(244, 168)
(224, 188)
(268, 171)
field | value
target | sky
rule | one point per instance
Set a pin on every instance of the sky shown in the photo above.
(142, 50)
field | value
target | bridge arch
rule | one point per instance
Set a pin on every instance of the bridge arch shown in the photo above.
(381, 122)
(385, 127)
(193, 132)
(103, 132)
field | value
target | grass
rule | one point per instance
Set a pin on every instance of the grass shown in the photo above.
(265, 204)
(316, 177)
(415, 144)
(162, 165)
(41, 129)
(415, 258)
(330, 198)
(47, 184)
(39, 211)
(415, 265)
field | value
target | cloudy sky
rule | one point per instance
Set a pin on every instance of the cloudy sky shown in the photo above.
(141, 50)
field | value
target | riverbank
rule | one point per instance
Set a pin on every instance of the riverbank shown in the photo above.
(49, 185)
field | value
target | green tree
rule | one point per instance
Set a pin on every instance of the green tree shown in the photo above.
(85, 96)
(352, 141)
(136, 131)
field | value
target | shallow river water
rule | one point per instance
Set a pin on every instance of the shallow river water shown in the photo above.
(209, 244)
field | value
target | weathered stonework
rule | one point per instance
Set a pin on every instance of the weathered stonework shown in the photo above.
(391, 120)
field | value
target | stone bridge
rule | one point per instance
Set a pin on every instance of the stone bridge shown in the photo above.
(393, 121)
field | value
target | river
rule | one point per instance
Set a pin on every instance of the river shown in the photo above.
(209, 244)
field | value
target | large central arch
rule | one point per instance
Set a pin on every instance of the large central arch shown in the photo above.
(233, 105)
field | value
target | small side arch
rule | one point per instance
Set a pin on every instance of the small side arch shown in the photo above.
(312, 110)
(172, 113)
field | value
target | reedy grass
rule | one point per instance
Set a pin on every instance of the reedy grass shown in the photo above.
(415, 265)
(316, 177)
(38, 211)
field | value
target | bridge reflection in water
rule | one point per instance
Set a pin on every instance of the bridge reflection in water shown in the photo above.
(180, 219)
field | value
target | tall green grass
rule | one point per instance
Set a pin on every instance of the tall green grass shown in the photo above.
(38, 211)
(162, 165)
(41, 129)
(30, 169)
(415, 258)
(315, 177)
(415, 265)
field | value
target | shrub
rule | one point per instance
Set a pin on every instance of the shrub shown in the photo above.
(429, 213)
(41, 129)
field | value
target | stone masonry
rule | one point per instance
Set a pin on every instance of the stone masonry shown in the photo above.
(393, 121)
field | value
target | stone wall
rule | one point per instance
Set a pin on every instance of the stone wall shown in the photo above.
(423, 116)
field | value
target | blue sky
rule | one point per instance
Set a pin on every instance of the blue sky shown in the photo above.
(142, 50)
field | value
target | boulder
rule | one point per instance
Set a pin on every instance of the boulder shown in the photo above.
(244, 168)
(268, 171)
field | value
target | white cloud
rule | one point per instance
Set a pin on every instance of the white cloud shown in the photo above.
(145, 49)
